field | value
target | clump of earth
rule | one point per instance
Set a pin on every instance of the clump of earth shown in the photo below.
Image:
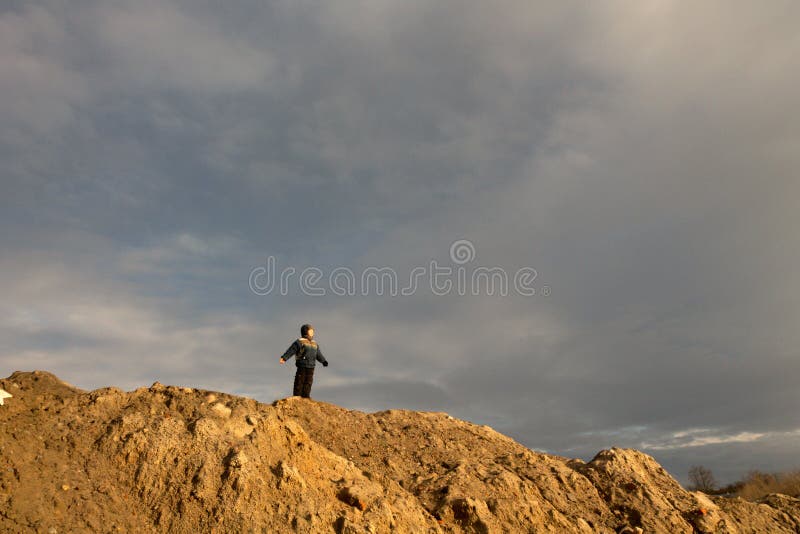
(178, 459)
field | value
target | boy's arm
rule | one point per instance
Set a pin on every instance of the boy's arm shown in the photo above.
(291, 351)
(321, 358)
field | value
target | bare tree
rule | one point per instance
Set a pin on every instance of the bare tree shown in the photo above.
(702, 479)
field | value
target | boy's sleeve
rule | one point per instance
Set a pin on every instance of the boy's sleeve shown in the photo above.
(320, 357)
(291, 351)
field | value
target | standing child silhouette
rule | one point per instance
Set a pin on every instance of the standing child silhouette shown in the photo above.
(306, 352)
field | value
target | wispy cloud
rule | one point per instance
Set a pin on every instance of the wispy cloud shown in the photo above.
(701, 438)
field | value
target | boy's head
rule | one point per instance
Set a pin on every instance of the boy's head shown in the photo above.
(307, 331)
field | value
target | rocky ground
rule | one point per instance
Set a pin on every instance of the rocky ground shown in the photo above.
(177, 459)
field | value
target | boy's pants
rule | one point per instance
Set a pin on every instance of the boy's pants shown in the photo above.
(302, 381)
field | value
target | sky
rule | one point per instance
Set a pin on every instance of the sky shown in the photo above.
(637, 160)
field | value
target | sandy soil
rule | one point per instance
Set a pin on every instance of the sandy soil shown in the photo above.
(176, 459)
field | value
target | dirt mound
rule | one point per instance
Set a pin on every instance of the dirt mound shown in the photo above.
(168, 458)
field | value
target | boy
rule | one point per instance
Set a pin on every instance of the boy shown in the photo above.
(307, 352)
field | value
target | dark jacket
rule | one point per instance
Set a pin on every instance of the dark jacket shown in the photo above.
(307, 352)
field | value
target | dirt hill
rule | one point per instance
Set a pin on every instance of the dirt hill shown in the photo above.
(177, 459)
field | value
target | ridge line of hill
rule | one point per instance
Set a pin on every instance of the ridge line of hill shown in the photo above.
(186, 460)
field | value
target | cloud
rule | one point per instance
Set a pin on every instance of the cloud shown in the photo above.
(155, 45)
(385, 394)
(40, 91)
(184, 250)
(77, 318)
(701, 438)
